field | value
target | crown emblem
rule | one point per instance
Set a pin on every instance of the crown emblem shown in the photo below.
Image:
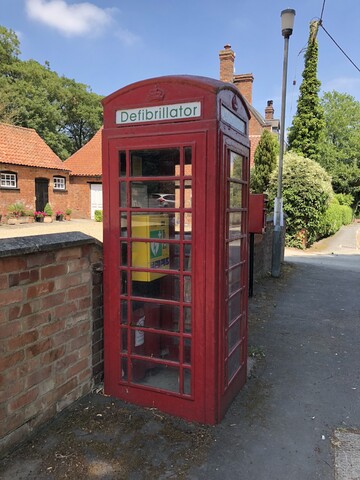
(156, 93)
(234, 103)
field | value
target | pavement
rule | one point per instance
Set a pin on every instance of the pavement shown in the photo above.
(297, 418)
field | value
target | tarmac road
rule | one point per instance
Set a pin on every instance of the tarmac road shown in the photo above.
(297, 418)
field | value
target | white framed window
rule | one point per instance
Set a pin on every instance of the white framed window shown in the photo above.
(59, 183)
(8, 180)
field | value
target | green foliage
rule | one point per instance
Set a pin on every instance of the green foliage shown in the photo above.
(16, 209)
(98, 215)
(344, 199)
(308, 124)
(264, 162)
(48, 209)
(307, 191)
(335, 216)
(66, 114)
(68, 211)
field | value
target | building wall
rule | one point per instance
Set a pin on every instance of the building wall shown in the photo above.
(25, 193)
(80, 195)
(51, 328)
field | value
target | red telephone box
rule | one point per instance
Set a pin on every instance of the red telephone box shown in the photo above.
(176, 195)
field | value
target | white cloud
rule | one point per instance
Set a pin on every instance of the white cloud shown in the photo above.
(71, 20)
(126, 36)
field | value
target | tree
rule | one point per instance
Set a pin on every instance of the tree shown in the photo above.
(264, 162)
(66, 114)
(308, 124)
(307, 192)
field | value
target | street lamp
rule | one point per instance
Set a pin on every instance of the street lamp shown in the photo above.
(287, 24)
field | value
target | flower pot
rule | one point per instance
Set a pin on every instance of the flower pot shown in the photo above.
(39, 219)
(12, 221)
(59, 218)
(67, 217)
(47, 219)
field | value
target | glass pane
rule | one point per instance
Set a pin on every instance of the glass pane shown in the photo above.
(123, 223)
(163, 377)
(123, 288)
(152, 255)
(123, 311)
(122, 191)
(174, 256)
(234, 224)
(187, 319)
(187, 258)
(122, 164)
(150, 315)
(155, 194)
(152, 225)
(234, 276)
(123, 369)
(236, 162)
(123, 254)
(234, 253)
(234, 363)
(187, 194)
(187, 225)
(187, 159)
(124, 340)
(187, 289)
(156, 285)
(155, 163)
(187, 351)
(233, 307)
(187, 381)
(154, 345)
(233, 335)
(235, 200)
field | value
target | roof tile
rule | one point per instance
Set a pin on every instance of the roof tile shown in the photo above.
(87, 161)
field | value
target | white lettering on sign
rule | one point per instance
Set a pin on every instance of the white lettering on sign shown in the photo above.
(154, 114)
(230, 118)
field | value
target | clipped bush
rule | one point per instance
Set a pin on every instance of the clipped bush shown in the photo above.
(98, 216)
(334, 217)
(307, 192)
(48, 210)
(344, 199)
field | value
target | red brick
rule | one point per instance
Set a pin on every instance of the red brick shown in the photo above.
(10, 329)
(79, 265)
(79, 342)
(23, 278)
(85, 303)
(78, 292)
(12, 389)
(66, 361)
(67, 281)
(53, 271)
(24, 399)
(20, 311)
(65, 336)
(40, 259)
(12, 264)
(10, 296)
(64, 311)
(11, 360)
(53, 300)
(77, 368)
(36, 320)
(37, 377)
(23, 340)
(68, 254)
(40, 289)
(52, 328)
(53, 355)
(4, 282)
(66, 388)
(39, 347)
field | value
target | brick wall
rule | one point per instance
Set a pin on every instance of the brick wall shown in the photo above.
(25, 193)
(80, 195)
(50, 328)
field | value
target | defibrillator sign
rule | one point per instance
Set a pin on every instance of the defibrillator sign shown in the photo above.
(176, 111)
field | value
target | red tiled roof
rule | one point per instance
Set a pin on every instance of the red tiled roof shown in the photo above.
(23, 146)
(87, 160)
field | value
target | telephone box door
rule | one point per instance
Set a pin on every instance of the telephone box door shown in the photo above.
(155, 348)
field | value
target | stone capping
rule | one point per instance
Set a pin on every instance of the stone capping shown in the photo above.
(43, 243)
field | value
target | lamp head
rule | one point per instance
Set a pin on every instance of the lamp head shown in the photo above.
(287, 22)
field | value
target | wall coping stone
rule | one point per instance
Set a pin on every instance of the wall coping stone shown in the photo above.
(10, 247)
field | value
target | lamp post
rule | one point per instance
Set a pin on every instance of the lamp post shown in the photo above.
(287, 24)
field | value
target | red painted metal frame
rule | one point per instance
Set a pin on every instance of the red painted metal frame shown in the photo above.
(211, 140)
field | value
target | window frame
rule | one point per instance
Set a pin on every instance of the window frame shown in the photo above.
(8, 173)
(59, 178)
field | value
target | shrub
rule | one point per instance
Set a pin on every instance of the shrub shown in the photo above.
(16, 209)
(334, 217)
(98, 215)
(344, 199)
(48, 210)
(307, 192)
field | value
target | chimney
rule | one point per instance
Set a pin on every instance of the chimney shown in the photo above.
(244, 83)
(227, 58)
(269, 110)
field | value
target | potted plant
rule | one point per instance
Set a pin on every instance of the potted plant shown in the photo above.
(39, 216)
(48, 213)
(59, 216)
(68, 212)
(16, 213)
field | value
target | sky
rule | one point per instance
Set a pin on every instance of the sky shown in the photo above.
(107, 44)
